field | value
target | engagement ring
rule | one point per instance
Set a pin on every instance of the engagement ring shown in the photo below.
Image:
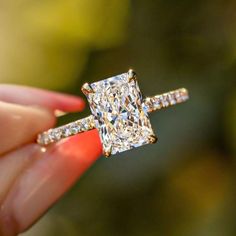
(119, 113)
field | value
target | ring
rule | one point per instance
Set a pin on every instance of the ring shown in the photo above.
(119, 112)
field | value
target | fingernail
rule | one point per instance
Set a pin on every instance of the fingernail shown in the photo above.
(59, 113)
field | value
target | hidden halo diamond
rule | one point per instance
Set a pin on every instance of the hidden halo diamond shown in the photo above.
(119, 113)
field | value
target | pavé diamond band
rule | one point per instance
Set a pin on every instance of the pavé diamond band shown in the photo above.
(119, 112)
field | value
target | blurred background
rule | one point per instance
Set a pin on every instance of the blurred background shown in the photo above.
(185, 184)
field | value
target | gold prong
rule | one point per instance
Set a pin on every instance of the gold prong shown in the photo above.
(87, 89)
(152, 138)
(132, 75)
(107, 152)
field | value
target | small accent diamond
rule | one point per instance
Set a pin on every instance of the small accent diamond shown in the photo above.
(74, 128)
(171, 98)
(66, 131)
(54, 135)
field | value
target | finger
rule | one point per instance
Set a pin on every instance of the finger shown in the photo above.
(47, 179)
(21, 124)
(32, 96)
(13, 164)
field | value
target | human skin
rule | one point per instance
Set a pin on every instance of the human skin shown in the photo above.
(33, 178)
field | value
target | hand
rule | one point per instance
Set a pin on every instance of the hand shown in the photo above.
(32, 179)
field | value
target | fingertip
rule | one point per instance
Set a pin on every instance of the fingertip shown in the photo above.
(24, 95)
(68, 103)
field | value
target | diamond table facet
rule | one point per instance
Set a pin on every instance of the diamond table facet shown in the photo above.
(116, 104)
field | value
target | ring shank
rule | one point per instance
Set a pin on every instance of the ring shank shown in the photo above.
(73, 128)
(151, 104)
(166, 99)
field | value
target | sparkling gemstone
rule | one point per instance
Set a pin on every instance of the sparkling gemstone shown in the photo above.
(74, 129)
(55, 135)
(116, 104)
(164, 100)
(157, 103)
(171, 98)
(66, 131)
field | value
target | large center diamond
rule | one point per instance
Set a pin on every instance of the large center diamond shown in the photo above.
(116, 104)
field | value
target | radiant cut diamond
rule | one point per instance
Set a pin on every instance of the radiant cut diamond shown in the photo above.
(123, 123)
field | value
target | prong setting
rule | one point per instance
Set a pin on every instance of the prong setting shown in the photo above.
(87, 89)
(152, 139)
(132, 76)
(107, 153)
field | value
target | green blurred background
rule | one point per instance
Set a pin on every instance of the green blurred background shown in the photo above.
(185, 184)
